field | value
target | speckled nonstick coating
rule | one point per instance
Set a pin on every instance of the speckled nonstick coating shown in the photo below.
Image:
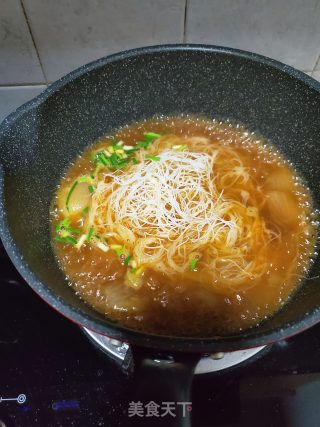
(40, 139)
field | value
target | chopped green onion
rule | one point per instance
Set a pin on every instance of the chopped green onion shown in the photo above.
(59, 239)
(154, 158)
(133, 150)
(179, 147)
(151, 136)
(64, 227)
(194, 263)
(129, 149)
(97, 169)
(137, 271)
(113, 159)
(90, 234)
(100, 157)
(86, 178)
(118, 249)
(127, 260)
(120, 152)
(104, 159)
(73, 230)
(63, 224)
(71, 240)
(67, 239)
(148, 138)
(91, 188)
(85, 210)
(117, 159)
(118, 155)
(134, 161)
(142, 144)
(134, 264)
(140, 269)
(122, 165)
(65, 232)
(69, 194)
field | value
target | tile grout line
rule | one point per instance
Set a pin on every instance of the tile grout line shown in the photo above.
(22, 85)
(33, 41)
(185, 21)
(316, 65)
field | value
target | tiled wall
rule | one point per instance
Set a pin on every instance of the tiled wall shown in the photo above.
(41, 40)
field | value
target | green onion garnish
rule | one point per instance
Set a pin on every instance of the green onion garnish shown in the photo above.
(122, 163)
(151, 136)
(86, 178)
(63, 224)
(90, 234)
(194, 263)
(63, 227)
(118, 249)
(73, 230)
(100, 157)
(180, 147)
(85, 210)
(142, 144)
(117, 155)
(115, 142)
(133, 270)
(154, 158)
(65, 232)
(130, 150)
(127, 260)
(91, 188)
(114, 160)
(67, 239)
(59, 239)
(69, 194)
(134, 161)
(71, 240)
(148, 138)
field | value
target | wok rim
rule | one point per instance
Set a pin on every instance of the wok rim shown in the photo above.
(106, 327)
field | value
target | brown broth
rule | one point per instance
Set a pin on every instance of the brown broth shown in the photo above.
(186, 304)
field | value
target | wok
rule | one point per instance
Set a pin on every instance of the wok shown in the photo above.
(40, 139)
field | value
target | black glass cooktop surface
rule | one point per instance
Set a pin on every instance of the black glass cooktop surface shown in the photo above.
(54, 376)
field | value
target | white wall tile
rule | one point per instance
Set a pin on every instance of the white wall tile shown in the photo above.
(316, 75)
(19, 63)
(14, 96)
(317, 66)
(287, 30)
(69, 33)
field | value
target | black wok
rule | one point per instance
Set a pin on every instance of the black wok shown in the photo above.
(40, 139)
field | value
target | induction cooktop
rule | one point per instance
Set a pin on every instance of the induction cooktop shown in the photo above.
(52, 373)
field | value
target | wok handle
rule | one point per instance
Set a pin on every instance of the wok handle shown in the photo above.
(166, 381)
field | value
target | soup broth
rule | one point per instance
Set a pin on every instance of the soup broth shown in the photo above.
(183, 226)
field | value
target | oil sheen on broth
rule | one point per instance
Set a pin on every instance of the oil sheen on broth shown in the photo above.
(183, 226)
